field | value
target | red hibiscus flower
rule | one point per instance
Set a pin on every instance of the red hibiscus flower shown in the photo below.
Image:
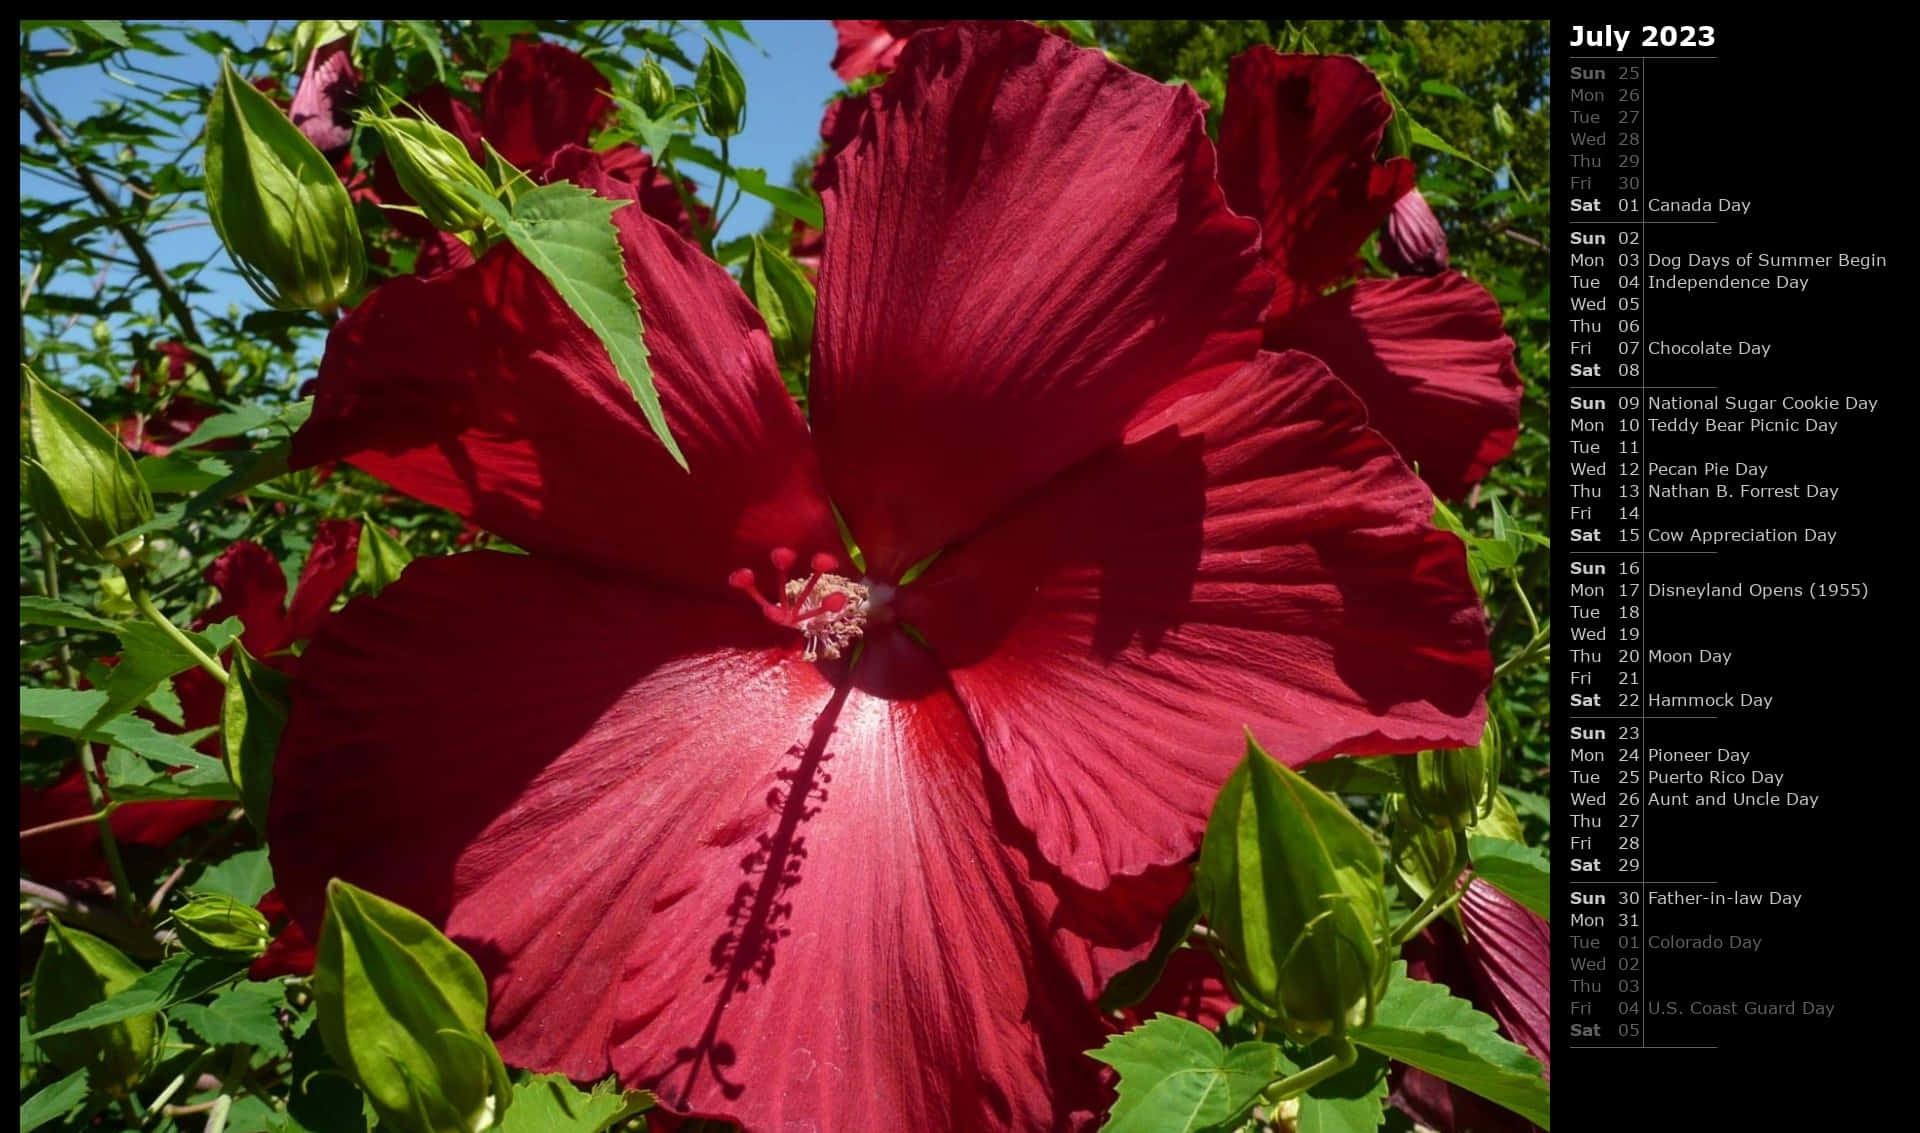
(1500, 957)
(807, 844)
(541, 101)
(1430, 357)
(252, 587)
(154, 432)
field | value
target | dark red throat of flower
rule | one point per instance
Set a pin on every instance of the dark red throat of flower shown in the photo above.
(826, 609)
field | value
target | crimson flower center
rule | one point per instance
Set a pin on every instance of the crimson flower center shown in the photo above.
(828, 610)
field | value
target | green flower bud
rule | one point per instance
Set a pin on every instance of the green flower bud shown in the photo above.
(80, 479)
(429, 161)
(653, 88)
(723, 94)
(1502, 123)
(403, 1010)
(781, 291)
(281, 212)
(1291, 886)
(1455, 787)
(221, 926)
(76, 971)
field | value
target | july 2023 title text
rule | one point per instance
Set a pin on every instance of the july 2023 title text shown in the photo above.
(1610, 38)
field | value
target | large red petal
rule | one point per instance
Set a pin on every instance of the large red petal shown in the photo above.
(253, 588)
(866, 46)
(681, 853)
(1254, 555)
(329, 567)
(1501, 934)
(1432, 360)
(543, 97)
(1297, 145)
(1509, 951)
(478, 390)
(1024, 243)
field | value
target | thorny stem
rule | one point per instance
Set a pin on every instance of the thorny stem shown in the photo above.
(136, 588)
(162, 284)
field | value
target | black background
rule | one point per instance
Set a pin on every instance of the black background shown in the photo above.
(1811, 133)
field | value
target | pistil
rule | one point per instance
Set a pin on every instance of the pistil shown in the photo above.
(826, 609)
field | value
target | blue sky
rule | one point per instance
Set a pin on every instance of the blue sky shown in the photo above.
(788, 83)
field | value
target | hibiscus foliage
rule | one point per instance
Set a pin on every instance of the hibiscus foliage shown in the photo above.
(952, 659)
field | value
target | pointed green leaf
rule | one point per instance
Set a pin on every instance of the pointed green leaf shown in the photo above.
(1351, 775)
(53, 1101)
(251, 719)
(381, 557)
(109, 31)
(781, 291)
(1423, 1025)
(245, 877)
(176, 979)
(1442, 89)
(250, 470)
(1521, 872)
(1133, 984)
(793, 202)
(65, 712)
(148, 656)
(568, 233)
(549, 1103)
(1352, 1101)
(37, 611)
(1175, 1077)
(243, 1014)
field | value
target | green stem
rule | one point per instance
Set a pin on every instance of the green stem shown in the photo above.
(1444, 895)
(688, 204)
(1293, 1085)
(1533, 622)
(1531, 651)
(191, 1072)
(50, 568)
(720, 194)
(103, 820)
(136, 587)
